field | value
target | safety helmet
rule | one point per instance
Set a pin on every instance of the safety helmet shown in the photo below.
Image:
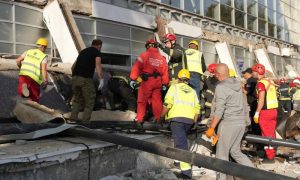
(282, 80)
(211, 68)
(169, 37)
(259, 68)
(232, 73)
(150, 42)
(42, 41)
(184, 73)
(297, 80)
(194, 42)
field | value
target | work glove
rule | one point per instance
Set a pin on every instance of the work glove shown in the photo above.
(44, 85)
(133, 84)
(210, 132)
(256, 117)
(101, 84)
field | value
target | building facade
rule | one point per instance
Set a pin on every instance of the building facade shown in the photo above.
(271, 21)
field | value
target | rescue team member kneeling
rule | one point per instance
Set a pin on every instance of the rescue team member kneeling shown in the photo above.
(182, 108)
(267, 104)
(230, 113)
(153, 69)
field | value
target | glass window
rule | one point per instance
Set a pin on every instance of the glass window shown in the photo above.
(239, 18)
(209, 47)
(211, 9)
(239, 5)
(87, 39)
(186, 42)
(137, 48)
(251, 23)
(6, 48)
(115, 59)
(210, 58)
(5, 11)
(226, 13)
(280, 33)
(20, 49)
(271, 30)
(192, 6)
(278, 6)
(6, 32)
(251, 7)
(279, 19)
(30, 33)
(174, 3)
(113, 30)
(271, 16)
(261, 2)
(85, 26)
(261, 11)
(286, 35)
(271, 4)
(118, 46)
(29, 16)
(121, 3)
(227, 2)
(140, 35)
(262, 26)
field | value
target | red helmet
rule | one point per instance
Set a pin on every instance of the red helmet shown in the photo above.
(282, 80)
(211, 68)
(170, 37)
(150, 42)
(259, 68)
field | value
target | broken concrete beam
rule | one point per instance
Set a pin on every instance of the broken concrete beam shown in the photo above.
(30, 112)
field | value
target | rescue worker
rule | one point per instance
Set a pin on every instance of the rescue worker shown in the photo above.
(119, 87)
(82, 80)
(33, 71)
(153, 69)
(229, 116)
(177, 56)
(182, 107)
(209, 90)
(250, 87)
(267, 104)
(196, 66)
(284, 97)
(296, 94)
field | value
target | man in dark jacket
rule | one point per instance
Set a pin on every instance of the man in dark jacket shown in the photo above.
(177, 56)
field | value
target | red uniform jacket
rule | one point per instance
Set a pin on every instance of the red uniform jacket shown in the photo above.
(149, 62)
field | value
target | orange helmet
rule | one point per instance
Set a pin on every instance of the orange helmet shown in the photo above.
(211, 68)
(259, 68)
(169, 37)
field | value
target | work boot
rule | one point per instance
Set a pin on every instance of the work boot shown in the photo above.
(25, 90)
(139, 126)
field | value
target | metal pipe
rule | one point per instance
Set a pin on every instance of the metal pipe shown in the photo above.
(234, 169)
(272, 141)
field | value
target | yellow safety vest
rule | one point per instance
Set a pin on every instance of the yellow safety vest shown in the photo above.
(271, 101)
(194, 60)
(31, 65)
(182, 101)
(296, 96)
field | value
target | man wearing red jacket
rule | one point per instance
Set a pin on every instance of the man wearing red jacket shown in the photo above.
(267, 104)
(152, 67)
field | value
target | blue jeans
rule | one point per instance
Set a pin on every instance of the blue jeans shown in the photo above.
(179, 134)
(195, 83)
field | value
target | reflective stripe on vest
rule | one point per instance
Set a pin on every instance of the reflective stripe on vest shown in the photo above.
(296, 96)
(31, 65)
(194, 60)
(184, 102)
(271, 101)
(208, 104)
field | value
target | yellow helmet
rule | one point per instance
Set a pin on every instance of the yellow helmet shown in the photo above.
(42, 41)
(232, 73)
(194, 42)
(184, 73)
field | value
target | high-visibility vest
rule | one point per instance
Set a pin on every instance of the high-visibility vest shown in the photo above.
(271, 101)
(31, 65)
(296, 96)
(194, 60)
(185, 101)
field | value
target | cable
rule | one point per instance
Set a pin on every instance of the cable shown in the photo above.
(88, 149)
